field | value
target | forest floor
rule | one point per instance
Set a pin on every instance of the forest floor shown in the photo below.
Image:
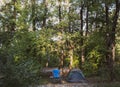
(99, 82)
(92, 82)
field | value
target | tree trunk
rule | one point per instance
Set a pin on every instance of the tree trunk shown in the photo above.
(33, 15)
(111, 41)
(71, 58)
(45, 13)
(86, 33)
(69, 22)
(14, 17)
(107, 17)
(59, 9)
(81, 32)
(61, 61)
(62, 54)
(115, 18)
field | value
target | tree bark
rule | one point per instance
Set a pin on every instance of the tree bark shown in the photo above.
(33, 15)
(61, 61)
(59, 9)
(115, 18)
(111, 41)
(14, 17)
(107, 17)
(81, 33)
(69, 22)
(71, 58)
(86, 33)
(45, 13)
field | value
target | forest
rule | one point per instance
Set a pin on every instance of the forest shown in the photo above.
(81, 34)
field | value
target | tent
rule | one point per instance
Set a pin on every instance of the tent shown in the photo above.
(75, 75)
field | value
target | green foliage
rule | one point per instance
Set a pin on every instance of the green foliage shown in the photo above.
(21, 75)
(24, 51)
(20, 66)
(95, 53)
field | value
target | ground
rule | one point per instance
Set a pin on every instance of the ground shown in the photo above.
(92, 82)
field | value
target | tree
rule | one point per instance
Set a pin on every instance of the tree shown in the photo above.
(111, 38)
(33, 14)
(45, 13)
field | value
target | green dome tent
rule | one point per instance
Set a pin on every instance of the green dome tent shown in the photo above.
(75, 75)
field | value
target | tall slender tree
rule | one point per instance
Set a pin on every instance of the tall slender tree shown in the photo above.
(82, 34)
(110, 41)
(87, 15)
(33, 14)
(14, 15)
(45, 13)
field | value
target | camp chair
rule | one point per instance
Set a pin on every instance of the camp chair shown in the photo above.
(56, 76)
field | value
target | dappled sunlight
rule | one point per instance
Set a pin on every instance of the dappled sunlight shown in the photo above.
(37, 36)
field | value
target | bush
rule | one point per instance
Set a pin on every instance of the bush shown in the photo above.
(89, 69)
(20, 75)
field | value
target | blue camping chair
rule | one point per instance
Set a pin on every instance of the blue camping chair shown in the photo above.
(56, 75)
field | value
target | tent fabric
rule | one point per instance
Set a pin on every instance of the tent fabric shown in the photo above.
(75, 75)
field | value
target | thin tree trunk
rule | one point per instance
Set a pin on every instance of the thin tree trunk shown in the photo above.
(62, 54)
(45, 13)
(59, 9)
(14, 17)
(81, 32)
(107, 30)
(33, 15)
(71, 58)
(96, 24)
(107, 17)
(61, 61)
(86, 33)
(69, 22)
(69, 44)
